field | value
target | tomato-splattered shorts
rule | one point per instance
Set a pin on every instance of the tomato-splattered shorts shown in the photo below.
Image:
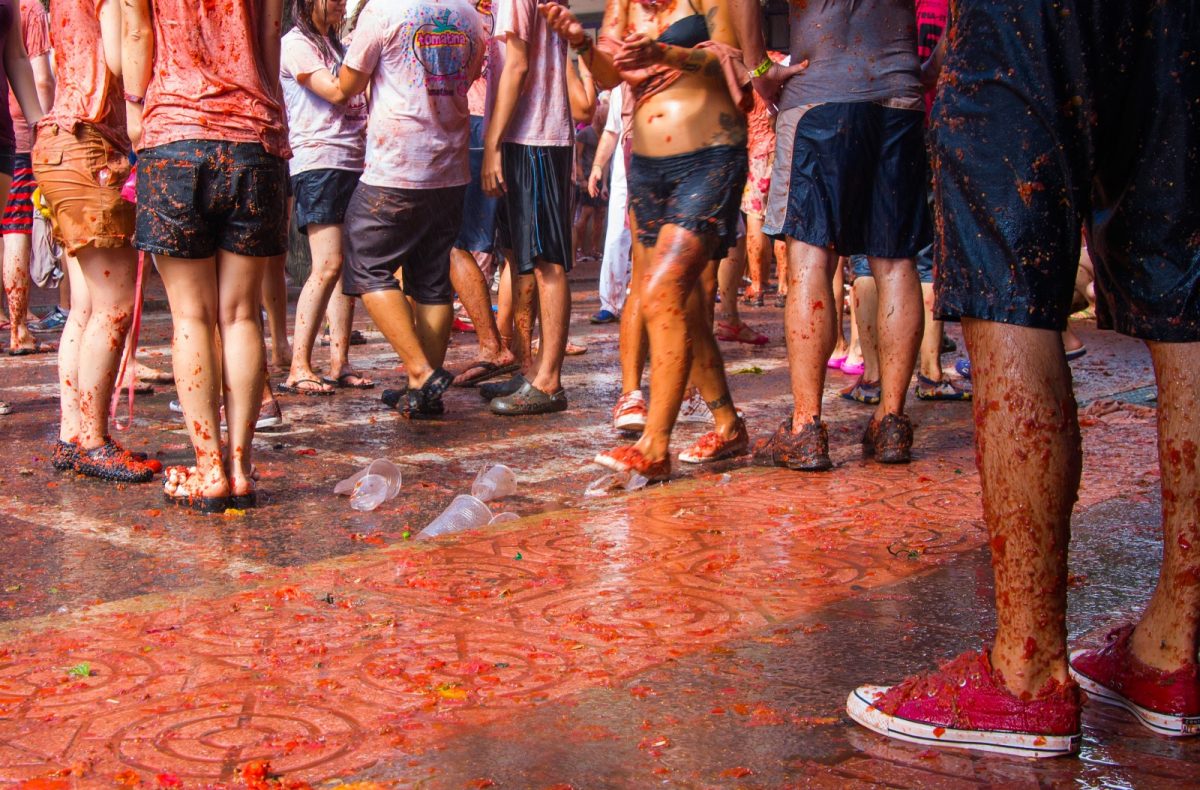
(1054, 115)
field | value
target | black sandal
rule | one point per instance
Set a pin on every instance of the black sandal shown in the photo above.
(110, 461)
(426, 402)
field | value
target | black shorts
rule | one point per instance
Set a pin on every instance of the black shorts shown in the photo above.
(478, 232)
(535, 214)
(852, 177)
(18, 212)
(388, 230)
(8, 163)
(197, 196)
(1055, 115)
(321, 196)
(582, 198)
(700, 191)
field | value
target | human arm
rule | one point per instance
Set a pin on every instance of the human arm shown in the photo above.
(137, 61)
(335, 89)
(604, 152)
(581, 89)
(20, 76)
(767, 76)
(508, 90)
(932, 66)
(270, 35)
(43, 78)
(567, 25)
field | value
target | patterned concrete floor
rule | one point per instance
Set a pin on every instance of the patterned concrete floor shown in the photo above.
(699, 634)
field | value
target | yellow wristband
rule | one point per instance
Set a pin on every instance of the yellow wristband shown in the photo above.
(763, 68)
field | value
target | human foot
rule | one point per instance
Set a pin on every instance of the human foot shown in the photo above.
(717, 446)
(186, 487)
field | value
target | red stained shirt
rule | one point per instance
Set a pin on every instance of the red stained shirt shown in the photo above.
(86, 92)
(210, 82)
(35, 31)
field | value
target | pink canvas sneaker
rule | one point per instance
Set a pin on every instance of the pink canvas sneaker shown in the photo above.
(1166, 702)
(965, 705)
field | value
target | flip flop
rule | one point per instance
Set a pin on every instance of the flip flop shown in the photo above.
(38, 348)
(487, 370)
(342, 382)
(1076, 353)
(296, 389)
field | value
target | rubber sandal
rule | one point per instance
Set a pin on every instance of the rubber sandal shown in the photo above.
(529, 400)
(487, 370)
(207, 505)
(853, 368)
(835, 363)
(38, 348)
(1076, 353)
(112, 462)
(946, 390)
(244, 501)
(867, 392)
(426, 402)
(341, 382)
(296, 389)
(742, 334)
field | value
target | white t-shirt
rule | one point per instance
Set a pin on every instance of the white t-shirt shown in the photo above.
(542, 116)
(422, 56)
(323, 135)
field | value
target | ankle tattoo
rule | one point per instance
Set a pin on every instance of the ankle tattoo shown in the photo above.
(720, 403)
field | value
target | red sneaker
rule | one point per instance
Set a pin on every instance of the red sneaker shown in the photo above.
(713, 447)
(629, 458)
(630, 412)
(965, 705)
(1166, 702)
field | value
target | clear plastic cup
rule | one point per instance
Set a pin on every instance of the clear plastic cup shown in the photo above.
(617, 481)
(502, 518)
(369, 493)
(380, 466)
(465, 512)
(495, 482)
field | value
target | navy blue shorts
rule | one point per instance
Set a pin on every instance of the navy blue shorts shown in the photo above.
(1057, 114)
(700, 191)
(861, 265)
(535, 216)
(198, 196)
(322, 196)
(856, 180)
(478, 232)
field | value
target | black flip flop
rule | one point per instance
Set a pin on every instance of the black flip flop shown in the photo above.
(208, 505)
(488, 371)
(39, 348)
(296, 389)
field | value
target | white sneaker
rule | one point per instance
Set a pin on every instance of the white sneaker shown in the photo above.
(694, 409)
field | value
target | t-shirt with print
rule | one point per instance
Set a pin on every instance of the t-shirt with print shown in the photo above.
(86, 89)
(323, 135)
(209, 78)
(35, 32)
(422, 56)
(542, 116)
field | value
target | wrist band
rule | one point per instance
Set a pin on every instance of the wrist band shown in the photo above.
(762, 68)
(583, 46)
(132, 98)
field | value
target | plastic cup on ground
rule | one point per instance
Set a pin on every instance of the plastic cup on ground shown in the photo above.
(615, 482)
(494, 483)
(369, 493)
(380, 466)
(503, 518)
(465, 512)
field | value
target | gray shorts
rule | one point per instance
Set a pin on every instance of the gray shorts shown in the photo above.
(411, 230)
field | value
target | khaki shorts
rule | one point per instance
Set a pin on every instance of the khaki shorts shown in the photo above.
(81, 175)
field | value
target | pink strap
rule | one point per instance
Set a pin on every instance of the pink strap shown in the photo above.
(135, 331)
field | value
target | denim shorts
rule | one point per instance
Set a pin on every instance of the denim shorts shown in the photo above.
(195, 197)
(322, 196)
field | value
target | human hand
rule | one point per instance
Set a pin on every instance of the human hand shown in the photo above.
(563, 22)
(771, 83)
(594, 179)
(492, 173)
(638, 51)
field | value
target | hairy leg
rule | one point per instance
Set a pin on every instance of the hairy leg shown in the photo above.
(809, 323)
(900, 322)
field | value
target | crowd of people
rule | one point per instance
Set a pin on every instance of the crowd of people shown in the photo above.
(426, 147)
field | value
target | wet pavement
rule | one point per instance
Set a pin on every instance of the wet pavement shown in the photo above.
(699, 634)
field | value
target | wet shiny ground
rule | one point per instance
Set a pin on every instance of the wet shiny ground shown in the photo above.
(699, 634)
